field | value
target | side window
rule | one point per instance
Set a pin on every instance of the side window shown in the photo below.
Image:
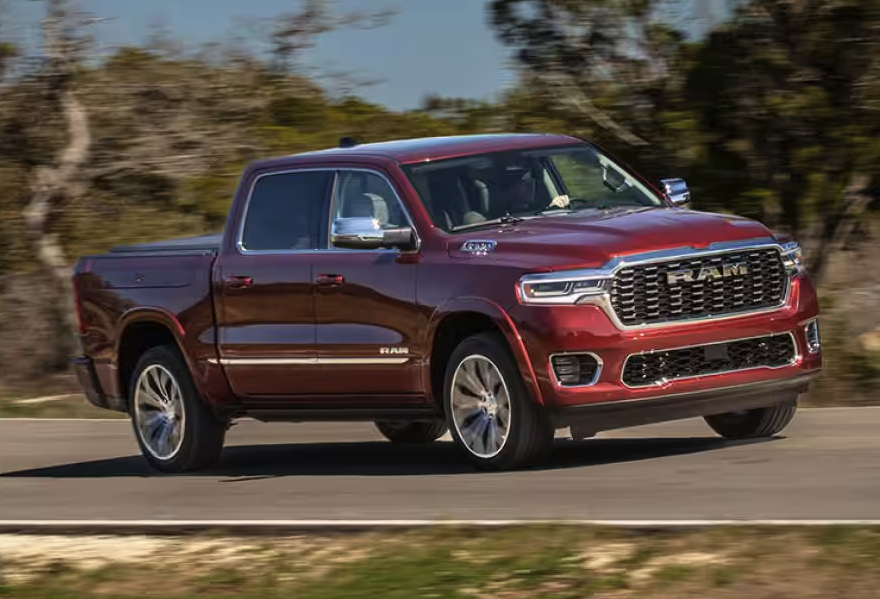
(360, 193)
(285, 211)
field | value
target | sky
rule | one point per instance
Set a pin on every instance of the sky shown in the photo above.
(430, 46)
(443, 47)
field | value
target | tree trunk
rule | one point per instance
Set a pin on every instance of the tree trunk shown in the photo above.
(51, 184)
(834, 238)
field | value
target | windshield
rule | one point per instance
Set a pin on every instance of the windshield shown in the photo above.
(493, 187)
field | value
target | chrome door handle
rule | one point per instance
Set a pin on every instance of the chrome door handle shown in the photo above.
(239, 281)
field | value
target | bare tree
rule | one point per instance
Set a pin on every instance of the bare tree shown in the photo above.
(55, 182)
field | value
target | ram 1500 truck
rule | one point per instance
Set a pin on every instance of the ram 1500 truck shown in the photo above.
(498, 287)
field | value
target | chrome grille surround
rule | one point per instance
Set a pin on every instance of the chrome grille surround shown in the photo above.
(660, 367)
(608, 271)
(648, 293)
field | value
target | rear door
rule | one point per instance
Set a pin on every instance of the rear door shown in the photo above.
(368, 322)
(265, 301)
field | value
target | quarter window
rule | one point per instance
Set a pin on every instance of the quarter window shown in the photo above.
(285, 211)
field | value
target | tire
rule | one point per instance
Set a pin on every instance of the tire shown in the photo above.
(410, 433)
(200, 435)
(529, 432)
(579, 432)
(760, 422)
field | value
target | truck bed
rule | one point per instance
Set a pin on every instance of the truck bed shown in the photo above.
(201, 244)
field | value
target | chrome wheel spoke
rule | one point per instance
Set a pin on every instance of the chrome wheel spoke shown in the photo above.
(154, 384)
(159, 413)
(151, 399)
(491, 439)
(480, 406)
(152, 424)
(470, 384)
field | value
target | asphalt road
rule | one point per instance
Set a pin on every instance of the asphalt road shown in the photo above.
(826, 467)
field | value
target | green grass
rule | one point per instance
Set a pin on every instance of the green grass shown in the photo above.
(515, 563)
(74, 407)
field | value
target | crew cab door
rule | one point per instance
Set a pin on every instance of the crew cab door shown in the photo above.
(368, 323)
(265, 304)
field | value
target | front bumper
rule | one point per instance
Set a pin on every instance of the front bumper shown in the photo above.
(636, 412)
(566, 329)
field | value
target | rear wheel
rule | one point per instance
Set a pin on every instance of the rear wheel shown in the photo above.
(760, 422)
(407, 432)
(175, 430)
(490, 415)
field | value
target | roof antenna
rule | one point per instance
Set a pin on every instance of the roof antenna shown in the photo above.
(347, 142)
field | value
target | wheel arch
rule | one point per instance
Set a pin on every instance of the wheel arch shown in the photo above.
(140, 330)
(463, 317)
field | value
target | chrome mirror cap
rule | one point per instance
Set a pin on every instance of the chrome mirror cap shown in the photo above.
(676, 190)
(358, 232)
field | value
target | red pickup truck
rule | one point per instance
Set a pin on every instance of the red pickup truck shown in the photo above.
(499, 287)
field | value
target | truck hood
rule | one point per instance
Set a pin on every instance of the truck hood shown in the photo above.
(585, 240)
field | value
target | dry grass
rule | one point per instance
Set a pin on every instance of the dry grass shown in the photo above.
(541, 562)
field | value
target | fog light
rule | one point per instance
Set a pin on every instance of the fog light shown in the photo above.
(811, 330)
(568, 369)
(581, 369)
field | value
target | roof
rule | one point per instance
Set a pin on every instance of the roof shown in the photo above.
(435, 148)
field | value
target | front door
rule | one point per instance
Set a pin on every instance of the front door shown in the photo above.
(368, 323)
(265, 300)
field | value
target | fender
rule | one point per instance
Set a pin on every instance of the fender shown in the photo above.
(502, 320)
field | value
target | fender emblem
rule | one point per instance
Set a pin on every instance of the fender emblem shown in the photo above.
(393, 350)
(478, 247)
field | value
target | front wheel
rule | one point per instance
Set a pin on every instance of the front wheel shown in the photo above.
(760, 422)
(490, 414)
(405, 432)
(175, 430)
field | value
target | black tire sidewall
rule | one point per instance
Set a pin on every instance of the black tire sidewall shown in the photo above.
(415, 432)
(197, 417)
(754, 423)
(523, 445)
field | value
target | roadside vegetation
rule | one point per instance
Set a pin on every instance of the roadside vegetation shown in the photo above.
(515, 563)
(772, 112)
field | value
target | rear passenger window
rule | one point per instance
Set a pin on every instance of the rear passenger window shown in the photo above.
(285, 211)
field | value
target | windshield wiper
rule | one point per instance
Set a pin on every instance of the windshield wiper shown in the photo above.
(507, 219)
(569, 209)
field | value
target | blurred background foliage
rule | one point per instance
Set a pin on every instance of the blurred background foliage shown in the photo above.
(774, 113)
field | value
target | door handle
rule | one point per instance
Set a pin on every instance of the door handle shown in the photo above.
(329, 280)
(239, 281)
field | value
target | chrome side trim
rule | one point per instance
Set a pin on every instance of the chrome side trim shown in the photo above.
(796, 358)
(239, 242)
(600, 365)
(613, 266)
(303, 361)
(359, 361)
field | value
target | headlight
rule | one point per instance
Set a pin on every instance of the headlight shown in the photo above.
(793, 258)
(558, 289)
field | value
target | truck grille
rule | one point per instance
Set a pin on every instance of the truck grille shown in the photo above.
(645, 370)
(674, 290)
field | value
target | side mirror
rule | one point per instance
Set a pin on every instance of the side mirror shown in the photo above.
(676, 190)
(365, 233)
